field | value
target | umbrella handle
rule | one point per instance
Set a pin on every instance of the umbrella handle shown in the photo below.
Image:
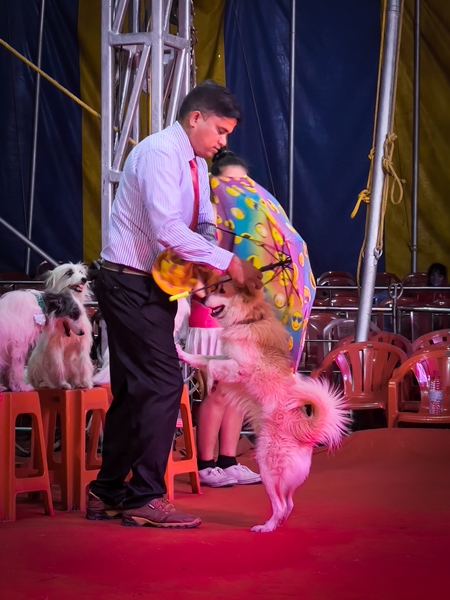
(280, 263)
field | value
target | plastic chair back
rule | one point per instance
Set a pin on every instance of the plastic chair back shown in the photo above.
(410, 324)
(431, 338)
(340, 329)
(385, 279)
(416, 372)
(325, 277)
(366, 368)
(314, 351)
(382, 336)
(415, 279)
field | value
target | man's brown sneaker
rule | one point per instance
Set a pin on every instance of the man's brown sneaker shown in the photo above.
(159, 513)
(97, 510)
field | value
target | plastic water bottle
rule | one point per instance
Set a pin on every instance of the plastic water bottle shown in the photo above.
(435, 394)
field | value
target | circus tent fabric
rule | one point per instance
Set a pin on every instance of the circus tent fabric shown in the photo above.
(244, 44)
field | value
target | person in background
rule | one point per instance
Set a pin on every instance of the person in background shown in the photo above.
(162, 202)
(217, 421)
(437, 275)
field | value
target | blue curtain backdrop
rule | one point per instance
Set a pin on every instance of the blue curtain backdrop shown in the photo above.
(57, 226)
(337, 51)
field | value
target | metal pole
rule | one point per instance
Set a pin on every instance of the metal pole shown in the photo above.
(184, 31)
(415, 155)
(383, 126)
(133, 107)
(37, 91)
(291, 115)
(28, 242)
(107, 117)
(135, 20)
(157, 87)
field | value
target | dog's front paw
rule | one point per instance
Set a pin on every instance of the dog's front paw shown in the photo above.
(83, 385)
(22, 387)
(65, 385)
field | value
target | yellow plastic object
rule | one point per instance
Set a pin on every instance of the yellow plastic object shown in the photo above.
(173, 274)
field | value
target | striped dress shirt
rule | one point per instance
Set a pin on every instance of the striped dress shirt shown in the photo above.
(154, 204)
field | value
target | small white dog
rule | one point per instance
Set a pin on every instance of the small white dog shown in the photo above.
(58, 362)
(24, 316)
(255, 373)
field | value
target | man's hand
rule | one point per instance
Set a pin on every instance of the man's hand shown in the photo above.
(243, 273)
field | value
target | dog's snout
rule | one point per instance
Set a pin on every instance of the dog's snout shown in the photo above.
(83, 280)
(80, 333)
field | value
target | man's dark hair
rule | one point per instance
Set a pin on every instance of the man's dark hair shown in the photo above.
(226, 158)
(211, 98)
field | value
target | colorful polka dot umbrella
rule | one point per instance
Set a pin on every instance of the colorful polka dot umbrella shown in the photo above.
(253, 225)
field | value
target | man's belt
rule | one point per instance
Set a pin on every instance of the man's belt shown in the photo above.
(110, 266)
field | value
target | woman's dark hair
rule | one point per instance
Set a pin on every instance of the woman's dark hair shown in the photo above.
(211, 98)
(226, 158)
(436, 269)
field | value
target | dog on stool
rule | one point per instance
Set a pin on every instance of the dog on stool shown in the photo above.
(290, 414)
(58, 362)
(24, 316)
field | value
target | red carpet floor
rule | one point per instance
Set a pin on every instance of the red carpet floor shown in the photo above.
(372, 522)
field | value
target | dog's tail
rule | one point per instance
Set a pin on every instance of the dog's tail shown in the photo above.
(328, 418)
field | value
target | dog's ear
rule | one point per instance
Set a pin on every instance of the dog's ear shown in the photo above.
(55, 302)
(249, 291)
(50, 279)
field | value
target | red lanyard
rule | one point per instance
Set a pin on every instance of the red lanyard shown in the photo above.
(194, 174)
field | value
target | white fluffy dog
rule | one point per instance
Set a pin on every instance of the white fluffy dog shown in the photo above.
(290, 414)
(65, 362)
(25, 315)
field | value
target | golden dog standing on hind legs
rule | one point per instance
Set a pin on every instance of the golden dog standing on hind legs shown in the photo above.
(255, 372)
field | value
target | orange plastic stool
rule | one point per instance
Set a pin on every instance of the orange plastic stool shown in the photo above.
(79, 462)
(37, 479)
(189, 463)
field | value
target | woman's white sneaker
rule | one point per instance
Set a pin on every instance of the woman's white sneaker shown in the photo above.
(242, 474)
(216, 477)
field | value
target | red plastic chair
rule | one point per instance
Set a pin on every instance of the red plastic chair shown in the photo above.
(324, 278)
(321, 300)
(416, 372)
(415, 279)
(342, 282)
(187, 464)
(383, 336)
(14, 276)
(385, 279)
(314, 349)
(366, 368)
(440, 320)
(15, 480)
(340, 329)
(410, 324)
(431, 338)
(78, 463)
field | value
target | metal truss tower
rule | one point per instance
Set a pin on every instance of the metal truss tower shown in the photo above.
(147, 69)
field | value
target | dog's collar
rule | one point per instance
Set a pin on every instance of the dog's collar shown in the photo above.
(40, 318)
(249, 321)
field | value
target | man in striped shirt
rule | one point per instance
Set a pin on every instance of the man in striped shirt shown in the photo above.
(163, 201)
